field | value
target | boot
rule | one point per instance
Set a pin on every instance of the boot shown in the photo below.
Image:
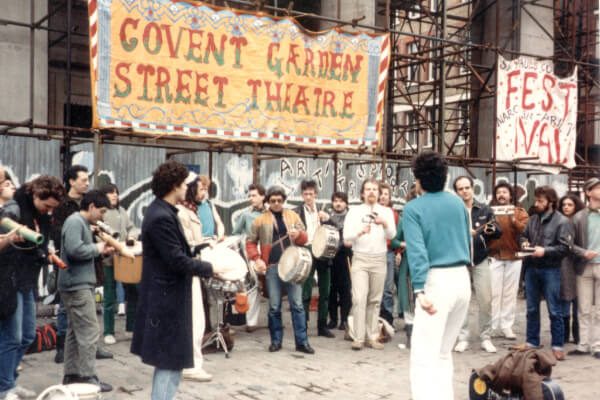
(59, 358)
(383, 313)
(408, 328)
(322, 330)
(567, 325)
(332, 324)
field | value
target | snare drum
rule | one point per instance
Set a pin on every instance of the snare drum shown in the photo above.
(295, 264)
(326, 242)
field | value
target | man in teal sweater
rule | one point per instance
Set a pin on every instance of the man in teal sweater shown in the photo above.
(76, 285)
(438, 245)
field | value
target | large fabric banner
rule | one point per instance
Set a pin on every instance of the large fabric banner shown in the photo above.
(536, 112)
(172, 67)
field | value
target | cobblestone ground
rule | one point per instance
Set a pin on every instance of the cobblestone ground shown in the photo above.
(334, 372)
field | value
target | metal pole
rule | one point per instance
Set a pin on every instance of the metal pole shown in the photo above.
(66, 159)
(31, 66)
(98, 156)
(495, 99)
(442, 108)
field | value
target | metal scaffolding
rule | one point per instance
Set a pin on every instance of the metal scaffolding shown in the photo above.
(439, 76)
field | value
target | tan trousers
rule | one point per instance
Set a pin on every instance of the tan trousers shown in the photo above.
(368, 279)
(588, 301)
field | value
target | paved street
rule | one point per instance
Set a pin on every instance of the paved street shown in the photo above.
(334, 372)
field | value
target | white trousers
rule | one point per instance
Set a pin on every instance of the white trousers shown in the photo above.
(505, 277)
(198, 325)
(368, 280)
(253, 307)
(588, 299)
(431, 367)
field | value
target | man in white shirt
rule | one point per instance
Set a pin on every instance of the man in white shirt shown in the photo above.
(312, 218)
(368, 227)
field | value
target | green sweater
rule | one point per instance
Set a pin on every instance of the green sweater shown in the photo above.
(78, 251)
(437, 231)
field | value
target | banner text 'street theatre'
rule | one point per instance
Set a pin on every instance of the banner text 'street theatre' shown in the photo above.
(536, 112)
(189, 69)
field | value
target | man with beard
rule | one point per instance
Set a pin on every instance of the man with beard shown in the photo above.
(549, 235)
(340, 295)
(368, 227)
(505, 267)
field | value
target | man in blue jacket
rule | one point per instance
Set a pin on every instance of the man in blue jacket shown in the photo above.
(438, 253)
(162, 335)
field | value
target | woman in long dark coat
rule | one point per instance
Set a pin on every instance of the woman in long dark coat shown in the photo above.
(569, 205)
(163, 328)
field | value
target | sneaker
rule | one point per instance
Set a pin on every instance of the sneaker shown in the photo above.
(579, 351)
(356, 345)
(11, 396)
(461, 346)
(375, 345)
(109, 339)
(199, 375)
(509, 334)
(23, 393)
(121, 309)
(20, 367)
(488, 346)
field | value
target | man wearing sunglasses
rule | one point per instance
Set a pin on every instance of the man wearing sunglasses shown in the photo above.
(276, 230)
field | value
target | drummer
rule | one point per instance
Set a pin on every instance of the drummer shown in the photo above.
(275, 230)
(312, 218)
(243, 225)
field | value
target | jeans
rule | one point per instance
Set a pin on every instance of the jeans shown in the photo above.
(387, 301)
(544, 281)
(165, 383)
(16, 334)
(120, 293)
(294, 292)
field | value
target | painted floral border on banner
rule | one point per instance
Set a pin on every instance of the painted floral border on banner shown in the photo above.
(171, 67)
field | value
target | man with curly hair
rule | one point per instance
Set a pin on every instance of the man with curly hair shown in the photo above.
(163, 325)
(438, 251)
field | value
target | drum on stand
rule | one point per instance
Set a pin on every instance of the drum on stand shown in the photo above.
(295, 264)
(325, 242)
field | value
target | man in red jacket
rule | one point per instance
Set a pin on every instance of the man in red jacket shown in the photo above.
(276, 230)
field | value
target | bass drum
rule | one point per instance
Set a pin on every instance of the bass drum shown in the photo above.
(295, 264)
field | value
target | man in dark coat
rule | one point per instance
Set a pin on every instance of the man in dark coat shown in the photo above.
(162, 335)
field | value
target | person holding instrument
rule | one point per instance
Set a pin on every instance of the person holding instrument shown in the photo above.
(35, 200)
(483, 228)
(276, 229)
(368, 227)
(76, 285)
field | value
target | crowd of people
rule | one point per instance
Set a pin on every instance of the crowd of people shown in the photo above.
(420, 266)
